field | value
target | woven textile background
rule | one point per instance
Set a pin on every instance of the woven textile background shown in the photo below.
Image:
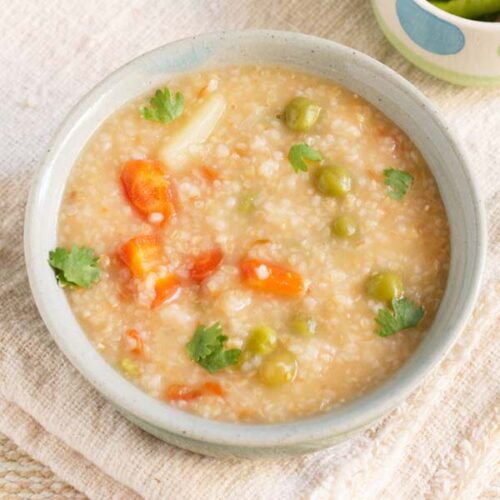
(442, 442)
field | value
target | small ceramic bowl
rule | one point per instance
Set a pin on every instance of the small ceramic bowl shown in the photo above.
(384, 88)
(455, 49)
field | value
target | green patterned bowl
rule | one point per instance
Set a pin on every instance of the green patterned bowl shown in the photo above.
(452, 48)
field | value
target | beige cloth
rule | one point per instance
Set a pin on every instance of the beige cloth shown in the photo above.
(441, 443)
(23, 477)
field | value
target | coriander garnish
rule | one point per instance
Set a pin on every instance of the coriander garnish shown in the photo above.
(165, 107)
(405, 314)
(207, 348)
(77, 267)
(399, 181)
(299, 152)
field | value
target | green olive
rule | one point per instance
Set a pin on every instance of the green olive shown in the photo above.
(279, 368)
(262, 340)
(333, 181)
(301, 114)
(303, 325)
(384, 286)
(344, 226)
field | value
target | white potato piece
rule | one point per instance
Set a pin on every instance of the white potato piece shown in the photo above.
(196, 130)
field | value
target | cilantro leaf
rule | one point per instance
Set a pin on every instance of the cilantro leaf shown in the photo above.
(77, 267)
(204, 341)
(405, 314)
(300, 151)
(165, 107)
(207, 348)
(220, 359)
(399, 181)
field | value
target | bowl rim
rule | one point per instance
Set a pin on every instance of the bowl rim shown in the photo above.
(454, 19)
(131, 399)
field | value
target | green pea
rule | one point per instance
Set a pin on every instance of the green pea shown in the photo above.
(303, 325)
(384, 286)
(344, 226)
(262, 340)
(301, 114)
(246, 205)
(333, 181)
(129, 367)
(279, 368)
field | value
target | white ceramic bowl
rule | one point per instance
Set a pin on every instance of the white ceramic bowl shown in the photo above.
(398, 99)
(458, 50)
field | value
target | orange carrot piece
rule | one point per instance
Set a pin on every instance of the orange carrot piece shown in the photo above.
(212, 388)
(134, 341)
(166, 289)
(263, 241)
(246, 414)
(149, 189)
(205, 264)
(209, 173)
(269, 277)
(179, 392)
(141, 254)
(203, 91)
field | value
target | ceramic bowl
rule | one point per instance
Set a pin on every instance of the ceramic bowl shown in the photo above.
(455, 49)
(384, 88)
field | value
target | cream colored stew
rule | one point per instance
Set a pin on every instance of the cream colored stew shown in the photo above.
(252, 244)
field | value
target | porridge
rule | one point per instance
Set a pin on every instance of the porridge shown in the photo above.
(252, 244)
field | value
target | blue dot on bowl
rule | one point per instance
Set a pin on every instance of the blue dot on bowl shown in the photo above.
(429, 31)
